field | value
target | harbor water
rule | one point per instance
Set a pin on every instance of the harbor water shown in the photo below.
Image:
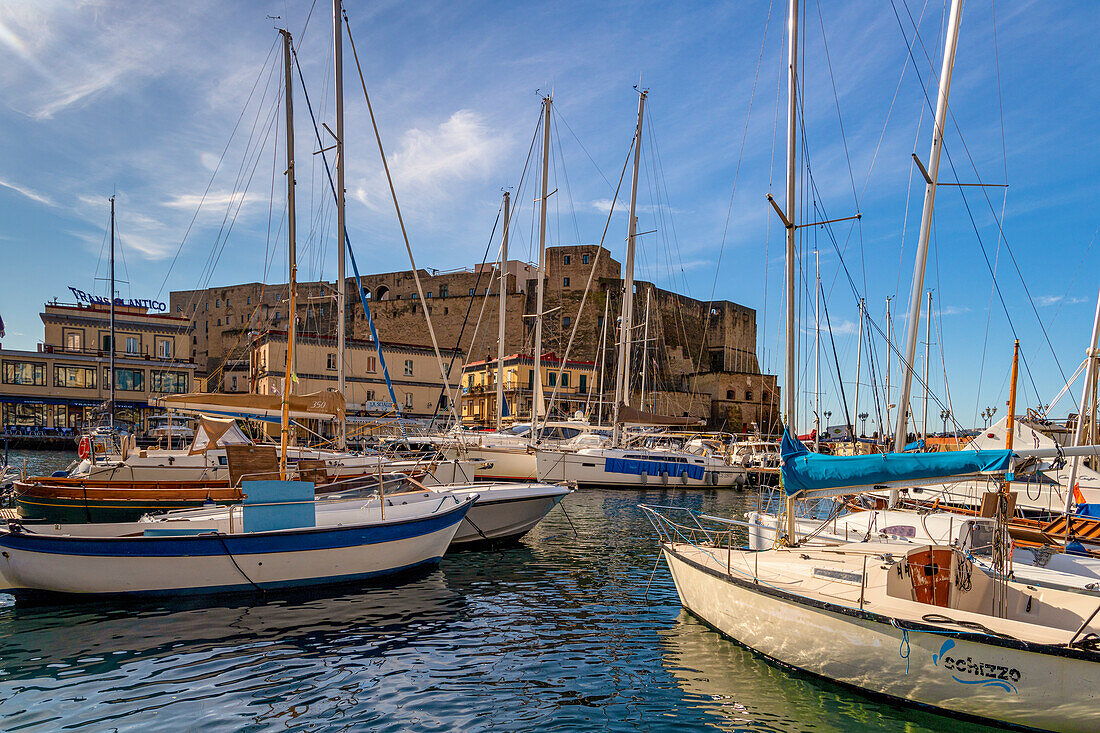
(566, 631)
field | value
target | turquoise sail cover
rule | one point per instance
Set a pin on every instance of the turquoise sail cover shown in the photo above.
(804, 471)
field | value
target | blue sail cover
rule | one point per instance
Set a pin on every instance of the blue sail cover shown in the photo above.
(808, 472)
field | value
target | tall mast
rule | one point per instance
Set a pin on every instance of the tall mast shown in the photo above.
(927, 358)
(603, 358)
(645, 346)
(859, 364)
(536, 393)
(291, 256)
(791, 375)
(503, 303)
(889, 354)
(931, 179)
(622, 367)
(1079, 432)
(817, 351)
(341, 284)
(111, 356)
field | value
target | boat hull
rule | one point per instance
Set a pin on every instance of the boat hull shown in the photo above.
(36, 564)
(506, 517)
(1048, 689)
(592, 471)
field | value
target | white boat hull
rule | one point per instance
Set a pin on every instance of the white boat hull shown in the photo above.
(590, 468)
(862, 650)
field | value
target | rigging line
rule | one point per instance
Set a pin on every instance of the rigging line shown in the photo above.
(559, 115)
(973, 222)
(588, 284)
(102, 247)
(217, 167)
(404, 233)
(469, 307)
(836, 361)
(565, 177)
(736, 178)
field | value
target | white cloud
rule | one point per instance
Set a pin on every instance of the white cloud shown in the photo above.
(213, 200)
(954, 310)
(32, 195)
(428, 161)
(1047, 300)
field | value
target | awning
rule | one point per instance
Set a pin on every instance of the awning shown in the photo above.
(212, 432)
(318, 405)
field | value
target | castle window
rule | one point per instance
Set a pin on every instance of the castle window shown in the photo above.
(584, 259)
(565, 282)
(566, 260)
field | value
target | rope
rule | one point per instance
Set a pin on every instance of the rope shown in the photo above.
(221, 538)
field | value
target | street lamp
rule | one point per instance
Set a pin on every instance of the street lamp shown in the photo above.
(863, 429)
(944, 414)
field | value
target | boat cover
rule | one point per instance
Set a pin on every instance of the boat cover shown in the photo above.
(812, 473)
(323, 405)
(634, 416)
(638, 466)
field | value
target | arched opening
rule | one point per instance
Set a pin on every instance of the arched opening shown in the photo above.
(382, 293)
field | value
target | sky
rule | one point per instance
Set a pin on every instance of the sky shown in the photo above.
(174, 108)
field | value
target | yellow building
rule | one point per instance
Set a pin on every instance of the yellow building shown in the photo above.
(577, 389)
(59, 385)
(414, 374)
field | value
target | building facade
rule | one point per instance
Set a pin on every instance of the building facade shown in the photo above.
(679, 339)
(572, 386)
(66, 381)
(414, 374)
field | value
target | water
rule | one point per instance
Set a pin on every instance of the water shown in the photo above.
(555, 634)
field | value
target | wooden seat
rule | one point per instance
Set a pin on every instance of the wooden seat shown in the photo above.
(313, 469)
(252, 463)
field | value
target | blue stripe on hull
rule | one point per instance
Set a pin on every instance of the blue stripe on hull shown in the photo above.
(33, 594)
(239, 544)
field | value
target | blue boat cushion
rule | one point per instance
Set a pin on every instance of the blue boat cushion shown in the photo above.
(1088, 510)
(271, 505)
(637, 467)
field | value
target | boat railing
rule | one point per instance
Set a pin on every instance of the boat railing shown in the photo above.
(691, 529)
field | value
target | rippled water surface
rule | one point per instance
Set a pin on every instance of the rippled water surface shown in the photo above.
(557, 633)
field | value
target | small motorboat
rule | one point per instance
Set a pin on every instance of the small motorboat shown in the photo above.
(280, 536)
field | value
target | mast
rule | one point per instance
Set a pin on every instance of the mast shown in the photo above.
(622, 389)
(603, 358)
(1079, 431)
(859, 365)
(931, 179)
(791, 375)
(540, 287)
(291, 257)
(111, 355)
(927, 358)
(817, 351)
(503, 303)
(341, 284)
(883, 428)
(645, 346)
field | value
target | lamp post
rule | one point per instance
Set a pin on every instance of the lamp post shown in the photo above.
(863, 428)
(944, 414)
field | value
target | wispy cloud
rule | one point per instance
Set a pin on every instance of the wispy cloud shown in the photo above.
(213, 200)
(1048, 300)
(954, 310)
(32, 195)
(603, 205)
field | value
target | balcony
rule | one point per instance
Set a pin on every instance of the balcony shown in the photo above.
(145, 353)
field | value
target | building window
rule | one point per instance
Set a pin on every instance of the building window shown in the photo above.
(748, 395)
(408, 400)
(372, 364)
(106, 342)
(530, 379)
(599, 322)
(219, 321)
(25, 372)
(74, 377)
(565, 282)
(552, 378)
(443, 401)
(583, 383)
(729, 394)
(331, 362)
(408, 367)
(233, 382)
(566, 259)
(442, 291)
(370, 395)
(169, 382)
(249, 300)
(584, 259)
(471, 292)
(565, 321)
(74, 340)
(429, 294)
(164, 348)
(218, 303)
(129, 380)
(565, 379)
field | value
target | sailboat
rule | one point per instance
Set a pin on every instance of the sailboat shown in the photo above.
(626, 463)
(916, 623)
(280, 535)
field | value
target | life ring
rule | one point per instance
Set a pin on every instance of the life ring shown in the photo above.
(84, 448)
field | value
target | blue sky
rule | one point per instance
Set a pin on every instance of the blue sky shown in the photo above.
(140, 98)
